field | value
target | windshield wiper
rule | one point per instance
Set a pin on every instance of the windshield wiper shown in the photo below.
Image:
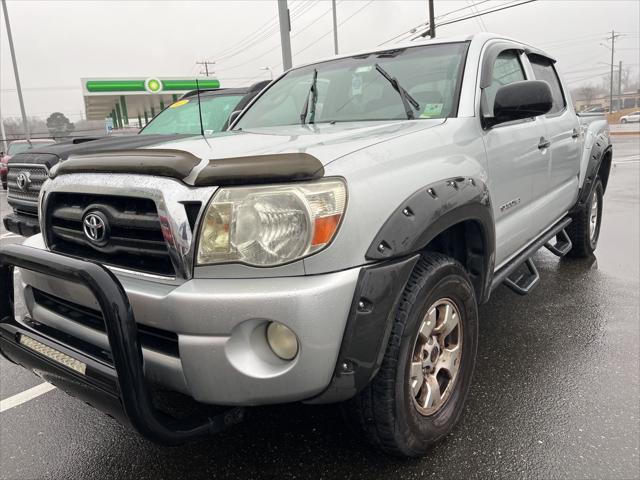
(313, 93)
(407, 100)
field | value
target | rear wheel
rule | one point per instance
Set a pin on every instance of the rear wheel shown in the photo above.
(419, 392)
(584, 230)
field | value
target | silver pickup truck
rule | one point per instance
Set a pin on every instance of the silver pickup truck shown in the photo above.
(332, 246)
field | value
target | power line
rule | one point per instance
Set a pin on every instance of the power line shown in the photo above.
(413, 30)
(479, 19)
(504, 6)
(313, 22)
(573, 39)
(253, 39)
(339, 24)
(587, 77)
(206, 64)
(322, 36)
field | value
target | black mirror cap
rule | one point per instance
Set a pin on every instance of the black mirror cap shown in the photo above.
(519, 100)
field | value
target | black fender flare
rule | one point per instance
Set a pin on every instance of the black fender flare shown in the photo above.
(396, 249)
(430, 211)
(601, 147)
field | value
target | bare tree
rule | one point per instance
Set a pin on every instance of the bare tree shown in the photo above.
(14, 129)
(629, 80)
(586, 93)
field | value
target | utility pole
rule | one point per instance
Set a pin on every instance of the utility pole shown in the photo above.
(285, 28)
(620, 85)
(25, 124)
(206, 64)
(335, 28)
(432, 22)
(613, 37)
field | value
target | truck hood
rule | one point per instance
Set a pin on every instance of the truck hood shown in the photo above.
(273, 154)
(325, 142)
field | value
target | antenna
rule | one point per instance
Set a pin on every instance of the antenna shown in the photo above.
(199, 109)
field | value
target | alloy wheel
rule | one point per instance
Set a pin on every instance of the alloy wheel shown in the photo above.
(436, 357)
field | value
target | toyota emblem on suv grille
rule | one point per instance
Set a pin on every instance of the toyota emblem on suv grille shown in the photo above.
(23, 180)
(96, 227)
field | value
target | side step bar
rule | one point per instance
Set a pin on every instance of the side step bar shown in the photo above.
(562, 246)
(523, 283)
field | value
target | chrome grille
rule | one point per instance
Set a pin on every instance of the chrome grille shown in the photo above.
(37, 175)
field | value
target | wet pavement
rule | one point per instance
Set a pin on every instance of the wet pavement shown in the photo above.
(556, 393)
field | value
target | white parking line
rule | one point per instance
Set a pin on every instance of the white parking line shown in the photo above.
(25, 396)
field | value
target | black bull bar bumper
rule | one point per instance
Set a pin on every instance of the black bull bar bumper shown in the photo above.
(119, 390)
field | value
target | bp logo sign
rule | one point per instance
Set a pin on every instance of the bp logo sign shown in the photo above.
(153, 85)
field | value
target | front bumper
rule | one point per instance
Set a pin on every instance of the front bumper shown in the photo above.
(119, 389)
(21, 224)
(222, 356)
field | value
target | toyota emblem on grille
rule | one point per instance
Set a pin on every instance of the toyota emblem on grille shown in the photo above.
(96, 227)
(23, 180)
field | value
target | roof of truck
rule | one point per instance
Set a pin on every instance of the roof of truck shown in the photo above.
(482, 37)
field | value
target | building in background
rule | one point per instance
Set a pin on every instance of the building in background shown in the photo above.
(620, 102)
(133, 102)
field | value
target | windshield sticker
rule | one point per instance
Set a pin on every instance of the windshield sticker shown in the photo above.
(179, 103)
(364, 69)
(432, 110)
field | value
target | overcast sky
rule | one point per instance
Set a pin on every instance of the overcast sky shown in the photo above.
(59, 42)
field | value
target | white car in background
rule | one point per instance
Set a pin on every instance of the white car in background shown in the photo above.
(632, 117)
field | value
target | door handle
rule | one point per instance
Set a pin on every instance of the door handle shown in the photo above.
(544, 143)
(575, 133)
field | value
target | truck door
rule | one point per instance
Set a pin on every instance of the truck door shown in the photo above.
(555, 182)
(513, 153)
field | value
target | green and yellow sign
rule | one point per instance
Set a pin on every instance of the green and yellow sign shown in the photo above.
(150, 85)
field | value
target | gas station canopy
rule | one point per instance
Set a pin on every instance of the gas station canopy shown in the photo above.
(123, 98)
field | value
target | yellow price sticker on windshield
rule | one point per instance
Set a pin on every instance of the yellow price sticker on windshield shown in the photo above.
(179, 103)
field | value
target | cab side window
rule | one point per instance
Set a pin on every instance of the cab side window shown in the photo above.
(543, 70)
(506, 69)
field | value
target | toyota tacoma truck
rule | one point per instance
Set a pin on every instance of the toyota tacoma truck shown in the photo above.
(332, 246)
(28, 170)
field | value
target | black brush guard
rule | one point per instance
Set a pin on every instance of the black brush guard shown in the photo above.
(119, 390)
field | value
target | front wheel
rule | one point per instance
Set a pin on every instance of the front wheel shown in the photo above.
(624, 120)
(584, 230)
(418, 395)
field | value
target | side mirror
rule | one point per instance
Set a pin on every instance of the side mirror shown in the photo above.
(233, 116)
(519, 100)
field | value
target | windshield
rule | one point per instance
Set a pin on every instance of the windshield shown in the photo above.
(183, 117)
(15, 148)
(355, 89)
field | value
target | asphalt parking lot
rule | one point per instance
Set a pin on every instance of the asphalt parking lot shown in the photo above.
(555, 394)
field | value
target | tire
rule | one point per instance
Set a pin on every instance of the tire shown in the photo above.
(385, 412)
(624, 120)
(584, 239)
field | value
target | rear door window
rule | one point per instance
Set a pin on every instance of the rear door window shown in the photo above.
(543, 69)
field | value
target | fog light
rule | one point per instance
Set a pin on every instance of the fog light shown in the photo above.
(282, 341)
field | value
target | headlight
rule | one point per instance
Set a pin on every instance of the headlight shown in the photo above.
(270, 225)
